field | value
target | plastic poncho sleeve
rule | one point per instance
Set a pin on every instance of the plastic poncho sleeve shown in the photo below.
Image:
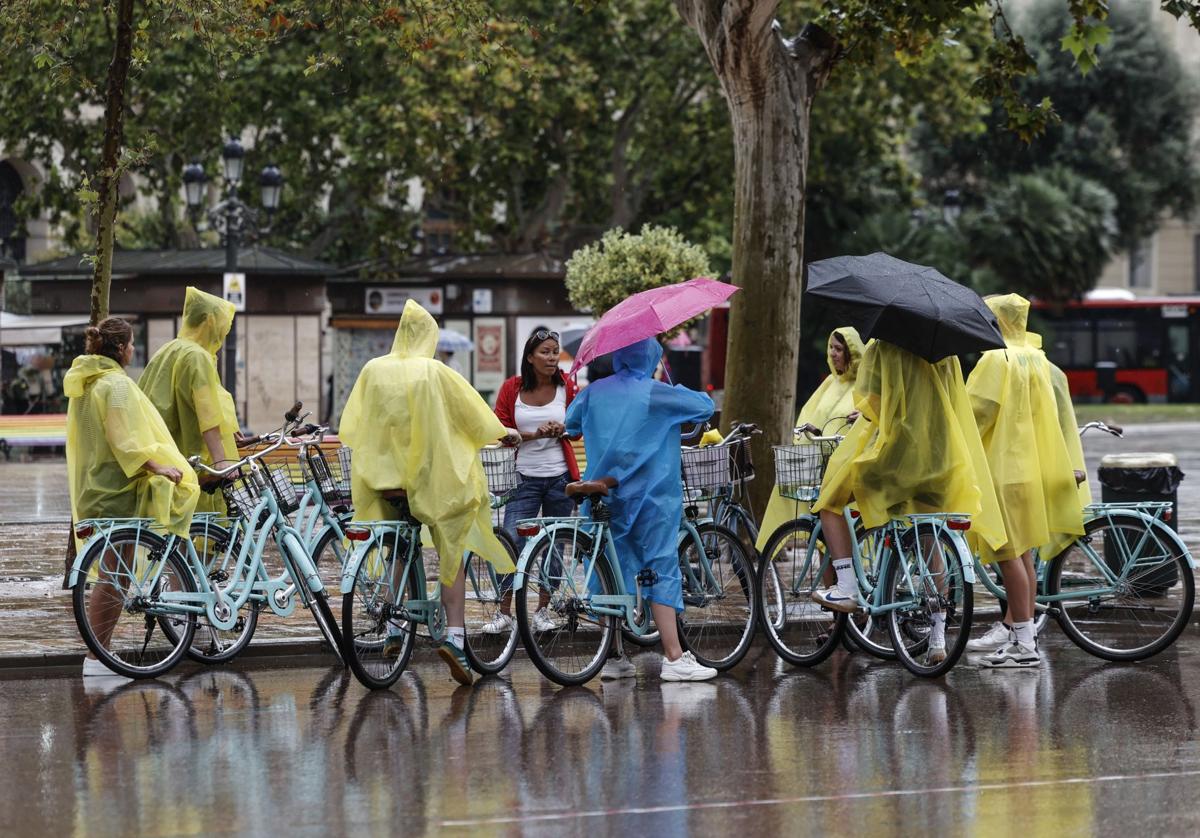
(1070, 432)
(415, 424)
(112, 432)
(918, 449)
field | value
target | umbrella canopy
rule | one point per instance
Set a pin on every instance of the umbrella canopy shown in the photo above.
(452, 341)
(912, 306)
(649, 313)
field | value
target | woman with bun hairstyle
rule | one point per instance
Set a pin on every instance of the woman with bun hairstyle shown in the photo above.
(121, 460)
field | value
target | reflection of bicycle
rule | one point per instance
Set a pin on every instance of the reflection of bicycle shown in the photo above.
(572, 561)
(138, 595)
(386, 596)
(914, 568)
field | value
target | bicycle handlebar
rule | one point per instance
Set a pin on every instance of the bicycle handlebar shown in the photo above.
(291, 423)
(1114, 430)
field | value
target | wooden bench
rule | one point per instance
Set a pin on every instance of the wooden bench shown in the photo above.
(32, 430)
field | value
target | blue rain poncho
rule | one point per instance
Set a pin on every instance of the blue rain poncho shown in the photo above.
(630, 425)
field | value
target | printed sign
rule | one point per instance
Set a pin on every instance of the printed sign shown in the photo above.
(488, 361)
(391, 299)
(1175, 310)
(235, 290)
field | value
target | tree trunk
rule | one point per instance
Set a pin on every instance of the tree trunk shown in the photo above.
(109, 178)
(769, 83)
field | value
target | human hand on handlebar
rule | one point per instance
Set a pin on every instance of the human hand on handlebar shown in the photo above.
(1080, 476)
(511, 437)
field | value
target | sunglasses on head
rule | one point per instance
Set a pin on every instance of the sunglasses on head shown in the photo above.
(544, 334)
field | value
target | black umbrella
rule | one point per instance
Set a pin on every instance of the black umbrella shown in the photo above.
(912, 306)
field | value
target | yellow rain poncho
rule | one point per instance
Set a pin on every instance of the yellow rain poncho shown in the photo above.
(182, 382)
(415, 424)
(1070, 431)
(833, 397)
(915, 448)
(112, 431)
(1017, 414)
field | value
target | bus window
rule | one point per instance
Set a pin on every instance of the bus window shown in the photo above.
(1179, 378)
(1116, 340)
(1072, 344)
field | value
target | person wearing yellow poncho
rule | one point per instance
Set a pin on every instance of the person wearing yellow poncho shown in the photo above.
(182, 382)
(833, 398)
(417, 425)
(1070, 431)
(121, 460)
(914, 449)
(1018, 418)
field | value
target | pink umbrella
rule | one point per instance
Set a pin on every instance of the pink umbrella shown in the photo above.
(649, 313)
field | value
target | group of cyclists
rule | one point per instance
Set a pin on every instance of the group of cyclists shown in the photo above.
(1000, 446)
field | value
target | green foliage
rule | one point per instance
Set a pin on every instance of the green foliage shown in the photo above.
(603, 274)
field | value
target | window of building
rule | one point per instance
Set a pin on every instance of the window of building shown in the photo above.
(1139, 264)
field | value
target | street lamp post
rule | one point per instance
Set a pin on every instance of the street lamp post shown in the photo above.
(235, 220)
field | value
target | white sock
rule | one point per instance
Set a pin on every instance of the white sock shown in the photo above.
(458, 636)
(395, 627)
(937, 632)
(1024, 633)
(847, 582)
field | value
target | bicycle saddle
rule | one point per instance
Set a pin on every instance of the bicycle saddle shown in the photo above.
(591, 488)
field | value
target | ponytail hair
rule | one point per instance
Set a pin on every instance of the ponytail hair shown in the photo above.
(108, 338)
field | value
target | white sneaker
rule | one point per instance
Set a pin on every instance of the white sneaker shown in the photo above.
(501, 624)
(93, 668)
(616, 668)
(542, 622)
(1013, 656)
(836, 600)
(997, 637)
(686, 668)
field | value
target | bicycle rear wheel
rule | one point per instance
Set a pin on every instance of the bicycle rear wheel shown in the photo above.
(801, 631)
(488, 653)
(924, 582)
(573, 648)
(117, 606)
(376, 641)
(720, 610)
(1130, 620)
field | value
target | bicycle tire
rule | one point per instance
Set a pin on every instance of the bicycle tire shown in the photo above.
(488, 653)
(1082, 625)
(330, 564)
(568, 607)
(720, 614)
(909, 627)
(800, 632)
(212, 645)
(139, 664)
(364, 644)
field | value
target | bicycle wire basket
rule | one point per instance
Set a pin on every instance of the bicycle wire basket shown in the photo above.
(243, 493)
(800, 468)
(333, 488)
(500, 468)
(706, 471)
(344, 457)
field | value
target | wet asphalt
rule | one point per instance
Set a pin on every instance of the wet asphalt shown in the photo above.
(854, 746)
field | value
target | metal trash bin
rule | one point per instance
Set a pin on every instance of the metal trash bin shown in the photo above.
(1126, 478)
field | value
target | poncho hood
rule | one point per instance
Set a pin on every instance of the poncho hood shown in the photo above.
(854, 345)
(206, 319)
(640, 359)
(84, 370)
(417, 334)
(1012, 311)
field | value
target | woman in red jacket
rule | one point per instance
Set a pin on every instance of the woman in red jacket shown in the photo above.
(535, 403)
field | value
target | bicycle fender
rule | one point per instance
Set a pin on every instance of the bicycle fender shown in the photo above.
(350, 571)
(531, 544)
(966, 559)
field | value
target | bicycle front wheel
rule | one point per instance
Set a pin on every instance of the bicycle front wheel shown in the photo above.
(924, 578)
(1130, 619)
(800, 630)
(377, 640)
(491, 640)
(118, 606)
(566, 639)
(720, 610)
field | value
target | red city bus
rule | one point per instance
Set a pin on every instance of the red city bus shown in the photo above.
(1124, 350)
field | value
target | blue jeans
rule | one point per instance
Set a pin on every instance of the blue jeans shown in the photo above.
(535, 497)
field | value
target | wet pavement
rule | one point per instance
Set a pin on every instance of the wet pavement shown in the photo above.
(856, 746)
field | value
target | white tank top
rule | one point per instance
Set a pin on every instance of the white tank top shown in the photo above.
(541, 457)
